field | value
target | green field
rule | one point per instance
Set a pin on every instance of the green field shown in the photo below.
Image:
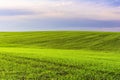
(60, 55)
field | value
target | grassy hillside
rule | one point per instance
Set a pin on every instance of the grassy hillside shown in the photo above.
(59, 55)
(62, 40)
(55, 64)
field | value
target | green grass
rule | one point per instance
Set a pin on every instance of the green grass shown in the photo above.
(59, 55)
(62, 40)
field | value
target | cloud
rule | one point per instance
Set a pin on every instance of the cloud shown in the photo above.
(60, 9)
(15, 12)
(59, 24)
(59, 14)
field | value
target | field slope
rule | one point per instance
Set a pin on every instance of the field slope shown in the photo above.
(59, 55)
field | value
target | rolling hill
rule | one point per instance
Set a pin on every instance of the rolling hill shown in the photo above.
(62, 40)
(60, 55)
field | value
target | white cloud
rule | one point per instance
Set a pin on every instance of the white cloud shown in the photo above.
(61, 9)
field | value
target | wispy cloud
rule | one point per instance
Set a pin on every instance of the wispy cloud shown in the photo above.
(62, 9)
(15, 12)
(76, 13)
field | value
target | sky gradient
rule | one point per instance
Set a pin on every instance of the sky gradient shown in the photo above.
(30, 15)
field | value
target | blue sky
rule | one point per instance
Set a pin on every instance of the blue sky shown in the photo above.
(28, 15)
